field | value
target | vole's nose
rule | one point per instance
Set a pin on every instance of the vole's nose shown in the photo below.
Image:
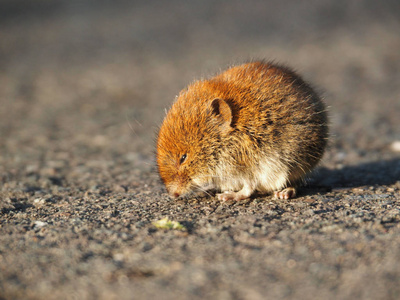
(174, 192)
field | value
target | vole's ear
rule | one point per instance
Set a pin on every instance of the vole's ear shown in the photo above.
(223, 111)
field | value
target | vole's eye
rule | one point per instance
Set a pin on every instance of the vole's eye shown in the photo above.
(183, 158)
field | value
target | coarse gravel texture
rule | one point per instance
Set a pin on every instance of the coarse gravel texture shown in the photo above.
(83, 89)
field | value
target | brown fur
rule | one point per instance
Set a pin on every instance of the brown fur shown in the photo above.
(252, 120)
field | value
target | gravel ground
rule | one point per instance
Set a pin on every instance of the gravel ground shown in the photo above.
(84, 85)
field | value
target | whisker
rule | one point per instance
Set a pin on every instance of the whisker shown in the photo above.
(203, 190)
(129, 123)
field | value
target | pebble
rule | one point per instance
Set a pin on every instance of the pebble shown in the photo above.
(395, 146)
(39, 201)
(39, 224)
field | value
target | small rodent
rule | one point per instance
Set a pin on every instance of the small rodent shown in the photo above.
(255, 127)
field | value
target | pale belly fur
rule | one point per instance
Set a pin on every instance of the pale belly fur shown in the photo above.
(269, 175)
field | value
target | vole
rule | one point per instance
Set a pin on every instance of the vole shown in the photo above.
(254, 127)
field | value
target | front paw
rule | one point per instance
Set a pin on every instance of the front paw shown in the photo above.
(285, 194)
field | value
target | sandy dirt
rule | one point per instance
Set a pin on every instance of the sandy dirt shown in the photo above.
(83, 88)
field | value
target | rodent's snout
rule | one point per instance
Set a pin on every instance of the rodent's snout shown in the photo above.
(174, 195)
(177, 189)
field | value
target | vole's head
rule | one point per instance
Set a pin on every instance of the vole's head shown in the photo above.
(189, 142)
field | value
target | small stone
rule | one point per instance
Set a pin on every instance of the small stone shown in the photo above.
(309, 212)
(309, 200)
(119, 188)
(39, 224)
(118, 257)
(39, 201)
(291, 263)
(395, 146)
(341, 155)
(358, 190)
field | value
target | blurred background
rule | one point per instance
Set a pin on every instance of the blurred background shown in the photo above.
(84, 86)
(93, 78)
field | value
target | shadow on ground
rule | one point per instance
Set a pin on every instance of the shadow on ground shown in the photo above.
(385, 172)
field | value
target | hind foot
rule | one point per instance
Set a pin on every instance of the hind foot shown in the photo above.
(244, 193)
(285, 194)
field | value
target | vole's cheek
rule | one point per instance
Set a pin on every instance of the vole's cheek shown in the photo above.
(202, 180)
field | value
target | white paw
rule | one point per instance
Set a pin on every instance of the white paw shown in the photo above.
(285, 194)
